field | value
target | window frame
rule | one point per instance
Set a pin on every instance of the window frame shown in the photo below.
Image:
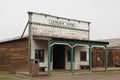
(38, 55)
(84, 58)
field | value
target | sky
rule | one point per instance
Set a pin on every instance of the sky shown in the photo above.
(104, 15)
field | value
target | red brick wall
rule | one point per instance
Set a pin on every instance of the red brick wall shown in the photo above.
(14, 55)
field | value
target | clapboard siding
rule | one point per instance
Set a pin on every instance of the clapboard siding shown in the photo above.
(113, 57)
(14, 55)
(98, 57)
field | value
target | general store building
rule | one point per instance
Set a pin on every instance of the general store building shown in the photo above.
(57, 43)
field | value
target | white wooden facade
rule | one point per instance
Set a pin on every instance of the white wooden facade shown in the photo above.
(44, 27)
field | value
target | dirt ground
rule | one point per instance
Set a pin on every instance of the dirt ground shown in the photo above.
(109, 75)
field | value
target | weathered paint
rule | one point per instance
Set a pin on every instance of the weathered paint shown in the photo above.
(45, 19)
(45, 25)
(51, 31)
(77, 63)
(51, 26)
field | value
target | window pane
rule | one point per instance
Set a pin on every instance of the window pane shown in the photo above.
(39, 54)
(83, 56)
(36, 54)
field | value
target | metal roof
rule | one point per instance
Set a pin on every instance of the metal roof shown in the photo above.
(13, 39)
(114, 42)
(26, 36)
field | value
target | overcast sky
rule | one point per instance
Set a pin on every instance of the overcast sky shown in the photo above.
(104, 15)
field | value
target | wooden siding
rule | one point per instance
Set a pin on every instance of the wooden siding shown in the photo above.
(113, 57)
(14, 55)
(98, 57)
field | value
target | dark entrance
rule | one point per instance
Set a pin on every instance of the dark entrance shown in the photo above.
(58, 57)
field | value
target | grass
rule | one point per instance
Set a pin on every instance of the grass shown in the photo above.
(4, 75)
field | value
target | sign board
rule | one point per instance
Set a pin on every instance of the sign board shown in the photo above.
(51, 26)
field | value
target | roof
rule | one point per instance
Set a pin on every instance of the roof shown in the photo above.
(58, 17)
(76, 40)
(114, 42)
(54, 38)
(13, 39)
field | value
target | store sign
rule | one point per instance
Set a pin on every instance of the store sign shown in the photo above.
(61, 23)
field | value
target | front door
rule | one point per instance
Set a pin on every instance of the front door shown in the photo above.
(58, 57)
(98, 57)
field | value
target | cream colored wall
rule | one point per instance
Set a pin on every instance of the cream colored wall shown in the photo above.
(42, 30)
(77, 56)
(41, 44)
(77, 62)
(80, 31)
(44, 19)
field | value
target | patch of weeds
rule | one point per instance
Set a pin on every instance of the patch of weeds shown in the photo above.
(5, 78)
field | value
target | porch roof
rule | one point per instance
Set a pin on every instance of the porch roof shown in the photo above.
(78, 40)
(72, 41)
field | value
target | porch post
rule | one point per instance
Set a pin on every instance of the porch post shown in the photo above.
(49, 50)
(105, 58)
(90, 58)
(71, 62)
(30, 36)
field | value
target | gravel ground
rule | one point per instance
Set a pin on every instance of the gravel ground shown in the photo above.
(109, 75)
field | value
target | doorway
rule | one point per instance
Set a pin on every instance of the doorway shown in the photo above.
(98, 57)
(58, 57)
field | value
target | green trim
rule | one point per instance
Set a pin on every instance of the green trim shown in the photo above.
(90, 58)
(78, 42)
(106, 58)
(30, 37)
(35, 23)
(71, 62)
(49, 51)
(72, 43)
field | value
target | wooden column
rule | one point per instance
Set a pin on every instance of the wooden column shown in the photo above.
(30, 35)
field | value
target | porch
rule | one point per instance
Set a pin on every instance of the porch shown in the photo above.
(73, 47)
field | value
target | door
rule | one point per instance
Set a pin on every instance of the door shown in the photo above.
(58, 57)
(98, 57)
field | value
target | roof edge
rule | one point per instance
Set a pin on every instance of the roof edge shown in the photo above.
(30, 12)
(14, 39)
